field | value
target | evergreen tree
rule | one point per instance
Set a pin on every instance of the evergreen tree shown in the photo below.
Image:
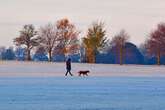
(94, 41)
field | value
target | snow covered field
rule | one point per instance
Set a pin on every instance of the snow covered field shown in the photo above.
(34, 69)
(90, 93)
(42, 86)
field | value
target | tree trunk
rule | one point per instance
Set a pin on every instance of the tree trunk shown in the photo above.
(121, 55)
(158, 58)
(50, 55)
(89, 56)
(28, 55)
(94, 56)
(86, 56)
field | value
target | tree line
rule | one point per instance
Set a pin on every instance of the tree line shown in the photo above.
(62, 39)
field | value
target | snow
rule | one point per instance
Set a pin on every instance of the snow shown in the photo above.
(45, 69)
(42, 86)
(88, 93)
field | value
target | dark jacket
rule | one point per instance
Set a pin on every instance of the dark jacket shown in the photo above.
(68, 64)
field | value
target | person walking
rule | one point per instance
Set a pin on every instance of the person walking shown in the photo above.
(68, 67)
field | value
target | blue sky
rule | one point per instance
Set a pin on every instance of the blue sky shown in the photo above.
(137, 17)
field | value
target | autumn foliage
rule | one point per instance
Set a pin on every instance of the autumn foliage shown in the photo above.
(59, 38)
(62, 38)
(68, 35)
(94, 41)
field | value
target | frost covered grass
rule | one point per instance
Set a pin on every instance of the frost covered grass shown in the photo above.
(89, 93)
(42, 86)
(46, 69)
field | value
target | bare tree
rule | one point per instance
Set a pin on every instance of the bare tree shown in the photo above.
(94, 41)
(119, 41)
(49, 38)
(155, 44)
(68, 35)
(27, 38)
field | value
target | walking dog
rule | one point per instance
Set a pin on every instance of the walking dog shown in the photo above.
(84, 73)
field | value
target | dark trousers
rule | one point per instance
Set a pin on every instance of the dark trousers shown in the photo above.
(68, 71)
